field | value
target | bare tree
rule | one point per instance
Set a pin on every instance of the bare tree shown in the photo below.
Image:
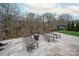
(30, 20)
(50, 20)
(8, 12)
(64, 18)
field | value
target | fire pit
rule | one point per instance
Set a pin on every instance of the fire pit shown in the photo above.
(36, 37)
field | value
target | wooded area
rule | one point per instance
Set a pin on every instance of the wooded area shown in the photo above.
(13, 24)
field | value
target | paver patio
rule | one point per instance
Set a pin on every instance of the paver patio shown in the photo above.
(67, 45)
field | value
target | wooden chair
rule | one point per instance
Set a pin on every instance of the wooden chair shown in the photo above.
(49, 37)
(57, 35)
(46, 37)
(30, 43)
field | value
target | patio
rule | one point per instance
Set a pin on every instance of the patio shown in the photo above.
(67, 45)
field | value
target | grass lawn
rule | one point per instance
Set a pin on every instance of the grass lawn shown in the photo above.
(69, 32)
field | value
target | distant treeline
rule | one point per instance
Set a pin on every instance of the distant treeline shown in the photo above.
(73, 25)
(13, 24)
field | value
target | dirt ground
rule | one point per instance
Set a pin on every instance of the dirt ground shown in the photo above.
(67, 45)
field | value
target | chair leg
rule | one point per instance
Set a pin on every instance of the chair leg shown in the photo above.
(48, 40)
(27, 49)
(37, 44)
(56, 37)
(53, 38)
(59, 36)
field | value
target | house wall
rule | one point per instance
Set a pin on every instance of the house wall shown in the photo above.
(61, 27)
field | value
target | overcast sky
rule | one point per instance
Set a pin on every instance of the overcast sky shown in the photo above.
(58, 8)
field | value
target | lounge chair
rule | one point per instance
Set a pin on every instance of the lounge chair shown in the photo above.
(2, 44)
(1, 49)
(57, 35)
(52, 36)
(48, 37)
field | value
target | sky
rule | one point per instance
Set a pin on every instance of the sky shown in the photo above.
(57, 8)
